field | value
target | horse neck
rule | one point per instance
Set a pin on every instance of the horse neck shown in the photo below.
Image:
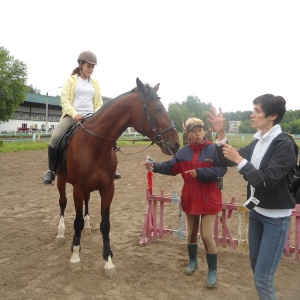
(115, 117)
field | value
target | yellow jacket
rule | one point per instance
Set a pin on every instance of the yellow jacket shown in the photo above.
(68, 95)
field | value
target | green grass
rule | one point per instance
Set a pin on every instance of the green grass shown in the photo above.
(22, 146)
(237, 141)
(6, 147)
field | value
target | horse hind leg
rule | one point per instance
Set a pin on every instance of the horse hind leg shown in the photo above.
(87, 224)
(61, 185)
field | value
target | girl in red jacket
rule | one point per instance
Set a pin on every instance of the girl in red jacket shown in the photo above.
(201, 170)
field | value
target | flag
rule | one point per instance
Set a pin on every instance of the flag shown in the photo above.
(149, 178)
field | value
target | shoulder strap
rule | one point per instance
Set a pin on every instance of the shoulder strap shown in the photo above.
(296, 148)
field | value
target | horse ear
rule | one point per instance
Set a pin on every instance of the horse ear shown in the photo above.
(141, 87)
(156, 87)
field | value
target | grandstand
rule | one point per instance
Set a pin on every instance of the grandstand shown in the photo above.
(31, 114)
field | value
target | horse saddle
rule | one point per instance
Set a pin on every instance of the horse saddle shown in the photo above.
(63, 143)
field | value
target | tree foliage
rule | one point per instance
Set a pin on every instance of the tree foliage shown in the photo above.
(13, 77)
(191, 107)
(33, 90)
(194, 107)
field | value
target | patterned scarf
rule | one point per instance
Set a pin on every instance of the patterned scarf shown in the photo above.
(196, 147)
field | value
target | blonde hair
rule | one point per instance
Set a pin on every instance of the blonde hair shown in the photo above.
(192, 122)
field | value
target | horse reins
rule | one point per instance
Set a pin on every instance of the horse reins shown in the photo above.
(158, 138)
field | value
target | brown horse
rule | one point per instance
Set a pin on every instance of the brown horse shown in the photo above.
(91, 160)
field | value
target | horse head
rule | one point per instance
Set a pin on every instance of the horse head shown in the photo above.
(155, 122)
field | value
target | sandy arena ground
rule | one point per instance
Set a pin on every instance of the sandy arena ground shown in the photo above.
(34, 266)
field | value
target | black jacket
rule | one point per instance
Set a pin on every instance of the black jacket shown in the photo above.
(276, 172)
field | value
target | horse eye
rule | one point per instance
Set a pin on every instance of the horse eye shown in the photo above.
(158, 108)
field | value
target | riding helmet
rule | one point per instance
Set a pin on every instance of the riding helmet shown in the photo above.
(87, 56)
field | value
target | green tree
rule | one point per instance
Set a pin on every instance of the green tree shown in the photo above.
(194, 107)
(13, 77)
(246, 127)
(31, 89)
(177, 114)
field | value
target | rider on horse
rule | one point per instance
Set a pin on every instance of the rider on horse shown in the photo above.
(80, 96)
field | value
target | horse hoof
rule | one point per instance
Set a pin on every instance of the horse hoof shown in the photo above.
(87, 230)
(60, 240)
(75, 266)
(110, 272)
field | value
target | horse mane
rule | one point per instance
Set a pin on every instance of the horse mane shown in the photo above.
(150, 96)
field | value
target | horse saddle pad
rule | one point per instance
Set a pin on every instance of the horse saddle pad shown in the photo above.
(63, 144)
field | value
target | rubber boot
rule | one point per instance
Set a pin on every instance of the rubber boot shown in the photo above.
(212, 277)
(193, 265)
(49, 176)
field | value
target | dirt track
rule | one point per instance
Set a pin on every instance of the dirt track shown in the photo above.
(34, 266)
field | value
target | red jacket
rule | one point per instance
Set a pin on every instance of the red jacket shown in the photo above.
(199, 195)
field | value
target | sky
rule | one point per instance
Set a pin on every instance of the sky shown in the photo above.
(224, 52)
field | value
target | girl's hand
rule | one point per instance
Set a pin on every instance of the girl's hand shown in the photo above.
(193, 173)
(78, 117)
(148, 166)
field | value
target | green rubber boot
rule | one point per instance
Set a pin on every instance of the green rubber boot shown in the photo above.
(193, 265)
(212, 278)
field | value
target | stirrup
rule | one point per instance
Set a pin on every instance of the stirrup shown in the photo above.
(49, 178)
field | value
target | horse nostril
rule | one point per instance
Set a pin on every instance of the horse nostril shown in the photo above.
(177, 145)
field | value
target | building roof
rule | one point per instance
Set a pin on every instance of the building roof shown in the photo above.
(42, 99)
(39, 100)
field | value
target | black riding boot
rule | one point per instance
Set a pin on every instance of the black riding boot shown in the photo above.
(49, 176)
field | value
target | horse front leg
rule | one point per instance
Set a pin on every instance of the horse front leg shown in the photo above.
(61, 185)
(107, 254)
(87, 224)
(78, 195)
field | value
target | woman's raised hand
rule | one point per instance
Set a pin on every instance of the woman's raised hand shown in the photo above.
(218, 122)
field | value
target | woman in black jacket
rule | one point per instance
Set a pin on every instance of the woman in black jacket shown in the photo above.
(267, 164)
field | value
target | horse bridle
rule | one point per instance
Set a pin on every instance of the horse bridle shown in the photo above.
(158, 137)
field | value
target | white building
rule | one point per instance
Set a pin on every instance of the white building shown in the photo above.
(234, 126)
(37, 112)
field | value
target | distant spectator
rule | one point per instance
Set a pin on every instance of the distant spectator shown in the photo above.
(185, 138)
(208, 134)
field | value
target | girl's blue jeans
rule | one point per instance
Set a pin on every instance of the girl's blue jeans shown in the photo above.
(267, 238)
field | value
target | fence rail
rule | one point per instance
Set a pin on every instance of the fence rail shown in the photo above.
(153, 226)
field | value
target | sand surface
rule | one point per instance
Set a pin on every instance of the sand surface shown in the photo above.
(34, 266)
